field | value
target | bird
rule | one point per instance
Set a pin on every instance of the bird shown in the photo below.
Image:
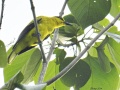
(27, 38)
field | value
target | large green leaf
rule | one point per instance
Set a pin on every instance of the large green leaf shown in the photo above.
(112, 50)
(3, 55)
(100, 80)
(103, 59)
(70, 76)
(31, 67)
(88, 12)
(77, 76)
(11, 69)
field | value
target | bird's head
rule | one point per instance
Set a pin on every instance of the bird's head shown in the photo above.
(60, 21)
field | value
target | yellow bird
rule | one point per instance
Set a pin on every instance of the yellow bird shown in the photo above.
(27, 39)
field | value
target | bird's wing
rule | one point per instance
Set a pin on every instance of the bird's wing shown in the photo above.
(26, 30)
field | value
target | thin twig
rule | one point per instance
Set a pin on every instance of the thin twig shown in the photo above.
(63, 8)
(42, 73)
(39, 41)
(2, 10)
(37, 30)
(52, 44)
(55, 37)
(68, 67)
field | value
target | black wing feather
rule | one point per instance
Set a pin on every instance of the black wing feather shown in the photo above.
(27, 29)
(24, 50)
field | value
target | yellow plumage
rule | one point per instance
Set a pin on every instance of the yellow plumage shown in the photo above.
(27, 39)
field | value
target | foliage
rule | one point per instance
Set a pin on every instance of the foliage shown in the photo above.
(100, 67)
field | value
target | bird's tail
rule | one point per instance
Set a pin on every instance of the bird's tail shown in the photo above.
(11, 57)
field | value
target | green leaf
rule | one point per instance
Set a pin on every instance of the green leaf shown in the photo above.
(60, 55)
(97, 27)
(93, 52)
(114, 30)
(88, 12)
(100, 25)
(104, 22)
(3, 55)
(52, 70)
(49, 73)
(116, 37)
(112, 50)
(118, 84)
(68, 32)
(114, 33)
(70, 18)
(115, 9)
(71, 31)
(70, 76)
(11, 69)
(103, 59)
(77, 76)
(31, 67)
(100, 80)
(37, 75)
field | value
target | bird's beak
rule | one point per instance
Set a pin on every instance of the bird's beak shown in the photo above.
(67, 23)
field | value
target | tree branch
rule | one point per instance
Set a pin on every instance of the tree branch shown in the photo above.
(2, 10)
(68, 67)
(39, 41)
(63, 8)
